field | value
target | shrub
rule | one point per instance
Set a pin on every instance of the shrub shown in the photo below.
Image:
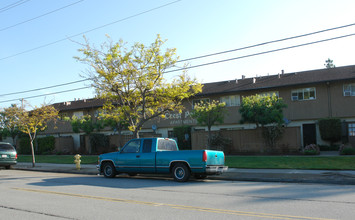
(46, 145)
(311, 149)
(180, 132)
(99, 143)
(330, 129)
(25, 145)
(346, 150)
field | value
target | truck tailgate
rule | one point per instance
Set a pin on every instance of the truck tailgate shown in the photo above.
(215, 158)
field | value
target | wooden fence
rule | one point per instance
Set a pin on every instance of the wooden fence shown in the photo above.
(251, 141)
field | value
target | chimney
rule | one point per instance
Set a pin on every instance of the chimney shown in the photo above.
(254, 80)
(282, 72)
(279, 76)
(243, 76)
(236, 81)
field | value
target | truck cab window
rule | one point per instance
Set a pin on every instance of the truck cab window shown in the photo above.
(166, 145)
(132, 147)
(147, 146)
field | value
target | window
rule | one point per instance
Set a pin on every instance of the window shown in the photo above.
(147, 146)
(269, 93)
(132, 147)
(351, 128)
(232, 100)
(78, 114)
(198, 101)
(166, 145)
(349, 89)
(303, 94)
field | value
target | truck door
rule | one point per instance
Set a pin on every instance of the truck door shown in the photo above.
(147, 157)
(129, 157)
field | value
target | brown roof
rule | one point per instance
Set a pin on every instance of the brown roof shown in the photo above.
(247, 84)
(282, 80)
(79, 104)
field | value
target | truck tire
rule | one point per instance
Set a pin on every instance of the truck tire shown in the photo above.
(109, 170)
(181, 172)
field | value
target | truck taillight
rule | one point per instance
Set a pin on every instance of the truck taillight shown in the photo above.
(204, 157)
(16, 156)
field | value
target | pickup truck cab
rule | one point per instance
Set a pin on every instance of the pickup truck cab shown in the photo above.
(161, 156)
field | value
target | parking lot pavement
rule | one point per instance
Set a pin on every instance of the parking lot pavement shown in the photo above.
(233, 174)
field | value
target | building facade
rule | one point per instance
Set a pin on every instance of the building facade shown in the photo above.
(309, 95)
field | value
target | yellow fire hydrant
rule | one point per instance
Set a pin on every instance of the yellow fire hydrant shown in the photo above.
(77, 161)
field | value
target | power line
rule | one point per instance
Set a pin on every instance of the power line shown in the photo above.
(48, 87)
(265, 52)
(85, 32)
(203, 56)
(23, 22)
(215, 62)
(53, 93)
(268, 42)
(13, 5)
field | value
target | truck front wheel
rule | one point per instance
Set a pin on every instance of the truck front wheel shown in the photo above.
(109, 170)
(181, 172)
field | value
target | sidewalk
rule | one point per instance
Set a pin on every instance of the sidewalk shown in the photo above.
(233, 174)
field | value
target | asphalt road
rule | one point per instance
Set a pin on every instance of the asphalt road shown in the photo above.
(45, 195)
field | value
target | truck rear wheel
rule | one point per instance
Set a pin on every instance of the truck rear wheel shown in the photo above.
(109, 170)
(181, 172)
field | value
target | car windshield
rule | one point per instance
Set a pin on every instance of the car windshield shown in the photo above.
(6, 147)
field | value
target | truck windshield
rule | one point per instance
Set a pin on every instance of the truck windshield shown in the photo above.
(166, 145)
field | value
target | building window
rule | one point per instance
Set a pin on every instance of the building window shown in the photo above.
(270, 93)
(198, 101)
(303, 94)
(78, 114)
(349, 89)
(232, 100)
(351, 127)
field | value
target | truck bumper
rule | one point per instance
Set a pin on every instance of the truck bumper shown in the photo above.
(216, 169)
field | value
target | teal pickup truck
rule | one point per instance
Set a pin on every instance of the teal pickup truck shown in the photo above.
(161, 155)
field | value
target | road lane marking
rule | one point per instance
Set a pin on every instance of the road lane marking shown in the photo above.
(182, 207)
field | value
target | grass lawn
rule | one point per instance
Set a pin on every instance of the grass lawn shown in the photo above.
(252, 162)
(292, 162)
(62, 159)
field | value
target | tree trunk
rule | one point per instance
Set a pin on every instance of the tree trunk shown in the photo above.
(136, 133)
(33, 155)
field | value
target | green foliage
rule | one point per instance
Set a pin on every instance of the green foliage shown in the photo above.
(132, 81)
(46, 145)
(311, 149)
(180, 133)
(99, 143)
(209, 113)
(85, 124)
(25, 145)
(346, 150)
(262, 110)
(272, 133)
(330, 129)
(9, 122)
(329, 64)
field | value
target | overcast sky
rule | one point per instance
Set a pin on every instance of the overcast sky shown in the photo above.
(39, 38)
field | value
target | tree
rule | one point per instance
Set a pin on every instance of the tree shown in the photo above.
(85, 124)
(262, 110)
(132, 81)
(330, 129)
(267, 112)
(30, 122)
(9, 122)
(329, 64)
(208, 114)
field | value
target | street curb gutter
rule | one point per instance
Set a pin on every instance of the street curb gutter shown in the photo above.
(255, 175)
